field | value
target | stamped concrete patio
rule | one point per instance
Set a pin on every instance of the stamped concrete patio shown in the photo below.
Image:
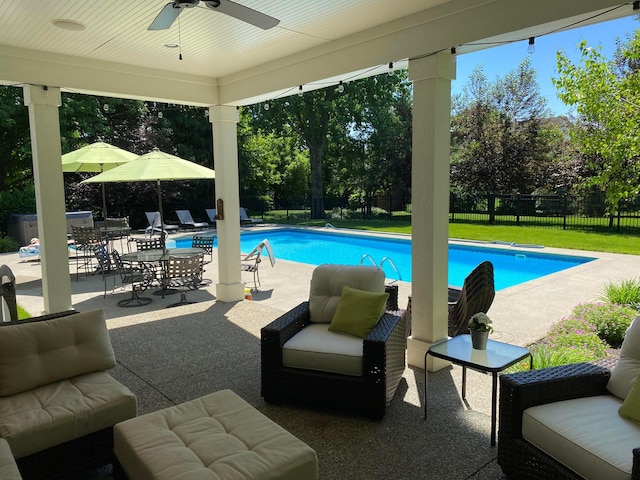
(168, 356)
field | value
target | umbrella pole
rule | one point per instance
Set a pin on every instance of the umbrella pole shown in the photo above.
(164, 240)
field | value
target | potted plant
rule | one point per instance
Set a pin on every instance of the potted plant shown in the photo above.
(480, 328)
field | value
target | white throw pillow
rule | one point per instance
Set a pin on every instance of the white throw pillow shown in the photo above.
(626, 371)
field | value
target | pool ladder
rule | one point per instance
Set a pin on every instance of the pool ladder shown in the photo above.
(388, 260)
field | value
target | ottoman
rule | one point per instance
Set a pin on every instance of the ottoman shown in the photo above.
(218, 436)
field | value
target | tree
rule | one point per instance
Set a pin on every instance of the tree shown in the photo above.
(15, 142)
(606, 96)
(500, 143)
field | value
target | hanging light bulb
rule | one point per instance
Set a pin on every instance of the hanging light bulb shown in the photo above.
(105, 107)
(390, 72)
(160, 115)
(532, 45)
(340, 87)
(266, 105)
(300, 91)
(453, 54)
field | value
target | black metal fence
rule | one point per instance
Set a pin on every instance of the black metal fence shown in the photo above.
(554, 211)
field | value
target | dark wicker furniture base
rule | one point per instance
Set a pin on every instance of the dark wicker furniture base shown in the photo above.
(69, 459)
(383, 366)
(518, 458)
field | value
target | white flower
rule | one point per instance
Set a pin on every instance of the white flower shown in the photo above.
(480, 322)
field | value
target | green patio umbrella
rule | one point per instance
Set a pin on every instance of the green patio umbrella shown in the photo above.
(155, 166)
(96, 158)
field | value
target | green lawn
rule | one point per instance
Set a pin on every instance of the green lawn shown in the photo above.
(548, 237)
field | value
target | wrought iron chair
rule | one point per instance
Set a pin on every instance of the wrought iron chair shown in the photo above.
(204, 242)
(476, 295)
(138, 277)
(183, 273)
(105, 266)
(85, 241)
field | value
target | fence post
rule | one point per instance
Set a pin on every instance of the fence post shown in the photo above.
(518, 208)
(564, 211)
(452, 206)
(491, 199)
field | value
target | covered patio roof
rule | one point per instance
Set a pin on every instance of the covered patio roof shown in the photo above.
(105, 48)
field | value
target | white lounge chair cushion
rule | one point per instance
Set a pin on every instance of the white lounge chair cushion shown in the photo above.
(53, 414)
(626, 371)
(317, 348)
(327, 282)
(213, 437)
(39, 353)
(586, 434)
(8, 467)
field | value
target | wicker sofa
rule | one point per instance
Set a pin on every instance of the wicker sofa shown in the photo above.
(565, 423)
(57, 403)
(381, 357)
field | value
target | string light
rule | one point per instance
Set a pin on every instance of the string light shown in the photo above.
(266, 106)
(390, 72)
(532, 45)
(300, 91)
(341, 87)
(105, 107)
(453, 54)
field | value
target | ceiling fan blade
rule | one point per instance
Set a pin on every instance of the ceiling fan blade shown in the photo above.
(243, 13)
(166, 17)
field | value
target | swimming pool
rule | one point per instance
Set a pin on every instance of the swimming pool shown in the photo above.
(511, 266)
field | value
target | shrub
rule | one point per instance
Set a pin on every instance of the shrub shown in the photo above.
(8, 245)
(624, 292)
(576, 333)
(610, 320)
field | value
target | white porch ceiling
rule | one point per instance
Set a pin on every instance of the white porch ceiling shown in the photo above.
(228, 61)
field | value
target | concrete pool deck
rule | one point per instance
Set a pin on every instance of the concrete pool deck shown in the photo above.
(521, 314)
(168, 356)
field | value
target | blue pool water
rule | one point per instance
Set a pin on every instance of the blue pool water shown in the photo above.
(511, 266)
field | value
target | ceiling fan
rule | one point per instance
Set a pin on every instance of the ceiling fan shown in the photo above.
(171, 10)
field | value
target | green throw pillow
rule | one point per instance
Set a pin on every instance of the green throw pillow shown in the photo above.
(358, 311)
(630, 408)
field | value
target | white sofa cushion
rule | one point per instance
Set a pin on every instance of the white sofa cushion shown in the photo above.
(586, 434)
(624, 374)
(56, 413)
(39, 353)
(8, 467)
(326, 287)
(317, 348)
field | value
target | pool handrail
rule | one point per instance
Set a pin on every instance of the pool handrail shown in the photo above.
(385, 259)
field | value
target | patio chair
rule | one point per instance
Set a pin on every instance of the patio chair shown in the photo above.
(204, 242)
(476, 295)
(105, 266)
(211, 213)
(85, 240)
(187, 221)
(251, 262)
(183, 273)
(139, 278)
(154, 224)
(305, 356)
(246, 220)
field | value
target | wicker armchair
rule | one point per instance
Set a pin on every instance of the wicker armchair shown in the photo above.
(383, 363)
(517, 457)
(476, 295)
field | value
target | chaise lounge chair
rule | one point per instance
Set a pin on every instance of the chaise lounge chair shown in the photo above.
(187, 221)
(246, 220)
(154, 224)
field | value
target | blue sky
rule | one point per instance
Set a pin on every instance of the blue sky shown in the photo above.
(498, 61)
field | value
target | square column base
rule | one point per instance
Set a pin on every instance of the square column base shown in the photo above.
(229, 292)
(417, 349)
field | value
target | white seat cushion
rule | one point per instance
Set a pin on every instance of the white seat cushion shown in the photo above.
(586, 434)
(8, 467)
(316, 348)
(56, 413)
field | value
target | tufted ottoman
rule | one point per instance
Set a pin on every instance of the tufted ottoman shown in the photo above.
(218, 436)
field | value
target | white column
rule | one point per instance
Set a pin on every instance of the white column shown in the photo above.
(431, 77)
(225, 156)
(43, 103)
